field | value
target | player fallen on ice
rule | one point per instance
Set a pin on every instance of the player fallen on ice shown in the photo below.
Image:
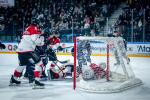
(26, 53)
(86, 68)
(57, 69)
(94, 71)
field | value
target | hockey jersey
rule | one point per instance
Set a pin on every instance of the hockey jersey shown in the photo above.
(30, 39)
(54, 42)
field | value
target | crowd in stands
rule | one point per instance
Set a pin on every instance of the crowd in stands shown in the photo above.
(135, 20)
(85, 17)
(88, 16)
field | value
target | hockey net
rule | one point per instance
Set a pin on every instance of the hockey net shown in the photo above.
(102, 65)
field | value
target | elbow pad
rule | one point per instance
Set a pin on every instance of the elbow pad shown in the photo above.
(38, 40)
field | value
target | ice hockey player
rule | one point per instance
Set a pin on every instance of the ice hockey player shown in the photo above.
(41, 51)
(99, 70)
(62, 71)
(44, 52)
(123, 48)
(83, 55)
(54, 45)
(95, 71)
(26, 53)
(86, 68)
(56, 70)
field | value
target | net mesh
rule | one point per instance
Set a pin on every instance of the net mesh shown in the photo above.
(103, 65)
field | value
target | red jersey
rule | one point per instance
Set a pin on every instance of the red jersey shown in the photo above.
(54, 41)
(32, 29)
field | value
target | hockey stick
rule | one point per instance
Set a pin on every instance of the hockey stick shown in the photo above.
(68, 47)
(55, 50)
(61, 70)
(63, 62)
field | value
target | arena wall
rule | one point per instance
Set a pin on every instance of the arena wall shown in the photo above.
(136, 49)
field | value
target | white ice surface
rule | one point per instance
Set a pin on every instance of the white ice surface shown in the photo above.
(63, 90)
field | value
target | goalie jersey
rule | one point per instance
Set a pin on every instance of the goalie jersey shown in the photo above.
(83, 54)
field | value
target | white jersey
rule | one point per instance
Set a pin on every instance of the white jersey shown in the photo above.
(29, 42)
(30, 39)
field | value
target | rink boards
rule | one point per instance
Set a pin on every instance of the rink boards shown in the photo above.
(134, 49)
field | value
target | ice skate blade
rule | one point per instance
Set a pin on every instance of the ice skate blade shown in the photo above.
(43, 79)
(13, 84)
(38, 87)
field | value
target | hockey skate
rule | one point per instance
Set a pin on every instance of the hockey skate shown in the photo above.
(43, 77)
(117, 64)
(38, 85)
(31, 80)
(14, 82)
(128, 60)
(50, 74)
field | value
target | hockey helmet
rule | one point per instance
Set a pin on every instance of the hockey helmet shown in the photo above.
(102, 65)
(34, 21)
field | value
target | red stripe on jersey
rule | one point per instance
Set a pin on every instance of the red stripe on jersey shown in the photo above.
(17, 74)
(37, 74)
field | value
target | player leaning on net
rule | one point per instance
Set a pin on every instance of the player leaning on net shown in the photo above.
(86, 68)
(123, 48)
(83, 55)
(26, 53)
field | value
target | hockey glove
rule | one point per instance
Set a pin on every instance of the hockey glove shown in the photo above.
(60, 48)
(2, 46)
